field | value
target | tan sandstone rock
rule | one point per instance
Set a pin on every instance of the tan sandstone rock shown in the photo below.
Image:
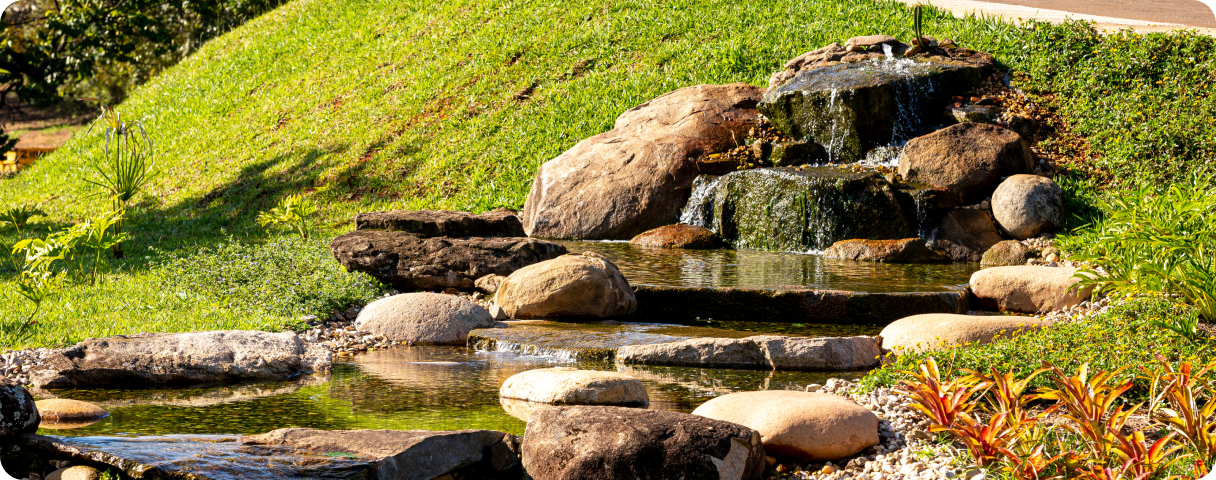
(1006, 253)
(1027, 206)
(63, 414)
(931, 331)
(760, 351)
(1027, 289)
(78, 472)
(636, 177)
(968, 158)
(908, 250)
(573, 285)
(678, 236)
(428, 318)
(571, 386)
(800, 426)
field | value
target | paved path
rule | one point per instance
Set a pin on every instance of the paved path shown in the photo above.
(1110, 15)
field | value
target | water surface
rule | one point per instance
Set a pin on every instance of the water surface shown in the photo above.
(773, 270)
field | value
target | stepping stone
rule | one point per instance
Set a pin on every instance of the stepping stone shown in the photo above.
(571, 386)
(603, 443)
(1027, 289)
(424, 318)
(64, 414)
(569, 286)
(800, 426)
(921, 333)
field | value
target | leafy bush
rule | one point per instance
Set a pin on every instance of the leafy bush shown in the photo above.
(1155, 240)
(286, 276)
(1094, 440)
(1124, 336)
(295, 211)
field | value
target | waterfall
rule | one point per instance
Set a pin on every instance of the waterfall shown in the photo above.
(699, 211)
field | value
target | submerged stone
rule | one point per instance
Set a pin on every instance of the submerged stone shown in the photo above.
(808, 209)
(854, 107)
(63, 414)
(678, 236)
(907, 250)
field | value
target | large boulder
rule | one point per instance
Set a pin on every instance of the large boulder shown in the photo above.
(156, 359)
(678, 236)
(413, 262)
(760, 351)
(801, 209)
(934, 331)
(1006, 253)
(614, 443)
(406, 455)
(908, 250)
(968, 158)
(573, 285)
(571, 386)
(964, 235)
(63, 414)
(801, 426)
(866, 101)
(1027, 206)
(620, 183)
(1028, 289)
(18, 414)
(443, 223)
(425, 318)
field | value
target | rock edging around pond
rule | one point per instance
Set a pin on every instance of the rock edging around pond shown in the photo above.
(761, 351)
(680, 304)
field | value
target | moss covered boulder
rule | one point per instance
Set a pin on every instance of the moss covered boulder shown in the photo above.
(851, 108)
(802, 209)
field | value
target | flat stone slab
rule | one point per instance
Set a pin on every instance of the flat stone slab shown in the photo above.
(761, 351)
(571, 386)
(154, 359)
(574, 343)
(414, 262)
(680, 304)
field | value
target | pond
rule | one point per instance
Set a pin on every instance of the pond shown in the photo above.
(773, 270)
(421, 387)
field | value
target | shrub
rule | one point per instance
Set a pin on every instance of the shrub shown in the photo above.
(285, 276)
(1155, 240)
(295, 211)
(1124, 336)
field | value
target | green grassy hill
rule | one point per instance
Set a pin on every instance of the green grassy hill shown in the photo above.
(405, 104)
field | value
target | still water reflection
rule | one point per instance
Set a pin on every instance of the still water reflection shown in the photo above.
(433, 388)
(772, 270)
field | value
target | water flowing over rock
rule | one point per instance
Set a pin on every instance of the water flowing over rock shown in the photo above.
(969, 159)
(406, 455)
(761, 351)
(443, 223)
(177, 358)
(573, 285)
(921, 333)
(854, 107)
(908, 250)
(412, 262)
(1028, 289)
(614, 443)
(18, 414)
(799, 425)
(1027, 206)
(635, 177)
(809, 209)
(424, 318)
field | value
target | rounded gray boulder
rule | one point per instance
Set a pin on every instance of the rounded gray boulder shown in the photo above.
(1027, 206)
(427, 318)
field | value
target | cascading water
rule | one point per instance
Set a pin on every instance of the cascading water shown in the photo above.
(910, 94)
(698, 211)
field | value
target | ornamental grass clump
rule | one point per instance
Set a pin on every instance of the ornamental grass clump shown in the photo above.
(1081, 427)
(125, 166)
(1154, 240)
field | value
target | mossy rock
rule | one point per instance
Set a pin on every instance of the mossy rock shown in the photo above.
(853, 108)
(804, 209)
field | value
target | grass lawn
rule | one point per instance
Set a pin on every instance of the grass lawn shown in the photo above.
(403, 104)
